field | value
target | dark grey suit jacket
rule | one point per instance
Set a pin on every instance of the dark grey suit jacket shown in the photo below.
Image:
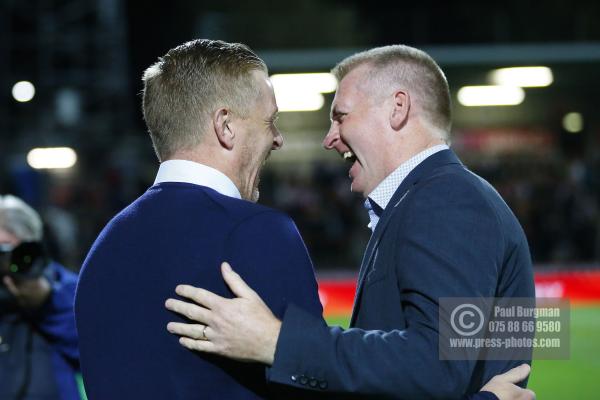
(445, 233)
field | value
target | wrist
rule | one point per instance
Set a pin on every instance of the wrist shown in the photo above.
(271, 344)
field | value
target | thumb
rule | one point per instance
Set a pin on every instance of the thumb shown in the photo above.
(516, 374)
(236, 283)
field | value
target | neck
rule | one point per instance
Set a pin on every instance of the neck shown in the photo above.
(409, 145)
(211, 158)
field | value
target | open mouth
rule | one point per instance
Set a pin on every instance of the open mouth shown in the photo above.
(349, 156)
(266, 158)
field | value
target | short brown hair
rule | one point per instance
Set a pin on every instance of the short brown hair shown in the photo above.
(412, 68)
(187, 84)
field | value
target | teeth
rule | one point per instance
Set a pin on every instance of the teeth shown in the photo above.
(347, 155)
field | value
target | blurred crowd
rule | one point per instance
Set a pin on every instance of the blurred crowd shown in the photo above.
(556, 200)
(557, 203)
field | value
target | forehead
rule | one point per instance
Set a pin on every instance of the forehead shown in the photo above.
(351, 88)
(266, 97)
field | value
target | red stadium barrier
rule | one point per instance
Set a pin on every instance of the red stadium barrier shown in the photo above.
(337, 296)
(580, 287)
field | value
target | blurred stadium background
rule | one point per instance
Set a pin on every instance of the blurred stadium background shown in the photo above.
(70, 77)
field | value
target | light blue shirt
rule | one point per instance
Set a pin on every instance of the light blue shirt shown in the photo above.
(197, 174)
(383, 193)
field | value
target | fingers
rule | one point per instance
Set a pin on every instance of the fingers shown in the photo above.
(192, 331)
(209, 299)
(198, 345)
(504, 386)
(10, 285)
(529, 395)
(516, 374)
(199, 295)
(509, 391)
(191, 311)
(236, 283)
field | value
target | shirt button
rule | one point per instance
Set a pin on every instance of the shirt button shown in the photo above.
(4, 347)
(303, 380)
(323, 385)
(312, 383)
(294, 378)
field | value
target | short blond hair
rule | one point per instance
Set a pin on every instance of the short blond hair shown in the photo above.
(189, 83)
(405, 66)
(20, 220)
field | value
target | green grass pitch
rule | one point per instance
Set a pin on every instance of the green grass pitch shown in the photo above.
(575, 378)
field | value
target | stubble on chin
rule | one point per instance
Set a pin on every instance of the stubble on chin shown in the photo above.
(251, 194)
(255, 195)
(255, 191)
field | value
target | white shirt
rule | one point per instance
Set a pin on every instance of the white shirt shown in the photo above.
(197, 174)
(383, 193)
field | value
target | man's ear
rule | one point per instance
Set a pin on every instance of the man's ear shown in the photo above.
(401, 107)
(223, 127)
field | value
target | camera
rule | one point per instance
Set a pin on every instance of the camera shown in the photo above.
(28, 260)
(25, 261)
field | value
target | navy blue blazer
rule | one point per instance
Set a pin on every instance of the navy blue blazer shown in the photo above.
(180, 233)
(445, 233)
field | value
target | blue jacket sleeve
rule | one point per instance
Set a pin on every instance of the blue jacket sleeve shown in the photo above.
(56, 319)
(446, 246)
(482, 396)
(268, 252)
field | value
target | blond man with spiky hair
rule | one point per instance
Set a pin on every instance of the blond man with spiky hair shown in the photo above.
(210, 110)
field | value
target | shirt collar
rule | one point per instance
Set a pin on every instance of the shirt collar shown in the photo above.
(383, 193)
(197, 174)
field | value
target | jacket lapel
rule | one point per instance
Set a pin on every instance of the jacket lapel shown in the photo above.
(424, 169)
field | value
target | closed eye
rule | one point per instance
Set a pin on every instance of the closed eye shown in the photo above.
(274, 118)
(273, 122)
(338, 116)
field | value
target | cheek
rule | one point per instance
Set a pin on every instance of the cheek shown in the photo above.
(373, 152)
(268, 142)
(8, 238)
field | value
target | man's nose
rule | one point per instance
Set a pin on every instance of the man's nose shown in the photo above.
(332, 137)
(277, 141)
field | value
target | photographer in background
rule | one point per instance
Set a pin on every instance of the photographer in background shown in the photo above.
(39, 356)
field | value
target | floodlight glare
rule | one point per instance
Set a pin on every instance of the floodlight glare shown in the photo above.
(299, 101)
(23, 91)
(321, 82)
(573, 122)
(52, 158)
(475, 96)
(522, 76)
(302, 92)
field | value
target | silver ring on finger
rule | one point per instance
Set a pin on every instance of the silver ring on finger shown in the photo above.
(204, 333)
